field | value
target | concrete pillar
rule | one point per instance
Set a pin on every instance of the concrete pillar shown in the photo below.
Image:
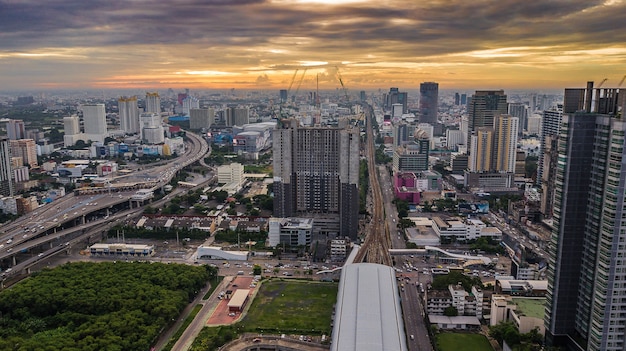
(82, 219)
(28, 270)
(14, 260)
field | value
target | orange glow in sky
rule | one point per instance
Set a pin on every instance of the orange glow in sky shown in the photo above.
(259, 44)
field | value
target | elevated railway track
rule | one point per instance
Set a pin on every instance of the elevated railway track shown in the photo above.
(375, 248)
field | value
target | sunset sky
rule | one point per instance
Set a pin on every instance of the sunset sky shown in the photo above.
(259, 44)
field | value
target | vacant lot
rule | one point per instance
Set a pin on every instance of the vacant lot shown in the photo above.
(463, 342)
(280, 306)
(293, 306)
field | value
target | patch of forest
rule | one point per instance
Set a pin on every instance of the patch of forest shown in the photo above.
(97, 306)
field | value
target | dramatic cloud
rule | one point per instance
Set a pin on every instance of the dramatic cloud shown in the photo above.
(260, 43)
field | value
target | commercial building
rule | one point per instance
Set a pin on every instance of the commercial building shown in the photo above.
(7, 186)
(120, 249)
(412, 157)
(129, 114)
(216, 253)
(358, 326)
(429, 105)
(464, 230)
(586, 294)
(290, 231)
(396, 97)
(316, 172)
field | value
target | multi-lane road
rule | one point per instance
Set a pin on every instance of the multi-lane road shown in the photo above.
(58, 223)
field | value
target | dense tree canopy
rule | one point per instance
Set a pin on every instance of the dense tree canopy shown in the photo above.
(453, 278)
(96, 306)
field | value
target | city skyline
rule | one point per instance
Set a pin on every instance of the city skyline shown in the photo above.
(259, 44)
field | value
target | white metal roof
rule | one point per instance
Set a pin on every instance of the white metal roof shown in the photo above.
(368, 315)
(468, 320)
(239, 298)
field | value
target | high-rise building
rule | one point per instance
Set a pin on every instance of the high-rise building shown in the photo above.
(16, 129)
(496, 147)
(457, 99)
(363, 95)
(521, 111)
(396, 111)
(463, 99)
(283, 95)
(129, 114)
(190, 102)
(454, 138)
(401, 133)
(412, 157)
(482, 108)
(316, 172)
(429, 105)
(505, 143)
(26, 149)
(396, 97)
(94, 122)
(71, 128)
(549, 129)
(481, 154)
(237, 116)
(152, 131)
(153, 103)
(587, 269)
(7, 186)
(201, 118)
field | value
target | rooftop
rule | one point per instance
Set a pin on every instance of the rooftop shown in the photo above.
(530, 307)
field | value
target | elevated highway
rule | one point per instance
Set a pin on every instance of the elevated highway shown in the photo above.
(71, 216)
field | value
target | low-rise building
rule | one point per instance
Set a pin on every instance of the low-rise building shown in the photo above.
(525, 313)
(466, 303)
(290, 231)
(338, 249)
(464, 230)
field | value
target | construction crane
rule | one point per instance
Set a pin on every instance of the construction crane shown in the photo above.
(282, 103)
(345, 91)
(602, 82)
(300, 82)
(621, 81)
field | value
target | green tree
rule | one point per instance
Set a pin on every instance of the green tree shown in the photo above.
(450, 311)
(405, 223)
(256, 270)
